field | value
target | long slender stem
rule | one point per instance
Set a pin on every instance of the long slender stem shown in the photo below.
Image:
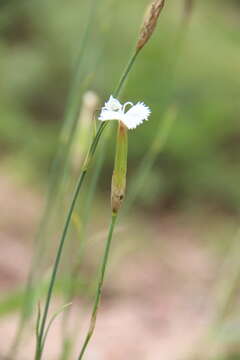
(39, 345)
(39, 348)
(70, 292)
(99, 286)
(63, 237)
(116, 94)
(125, 73)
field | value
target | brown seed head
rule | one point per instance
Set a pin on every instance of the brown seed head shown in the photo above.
(150, 23)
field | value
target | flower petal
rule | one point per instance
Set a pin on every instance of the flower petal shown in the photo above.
(113, 104)
(136, 115)
(110, 115)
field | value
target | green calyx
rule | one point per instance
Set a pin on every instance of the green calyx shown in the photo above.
(120, 169)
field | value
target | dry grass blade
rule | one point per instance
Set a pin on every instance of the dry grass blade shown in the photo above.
(150, 23)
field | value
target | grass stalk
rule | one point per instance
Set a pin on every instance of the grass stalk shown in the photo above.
(126, 73)
(99, 286)
(56, 172)
(118, 187)
(73, 279)
(39, 349)
(39, 345)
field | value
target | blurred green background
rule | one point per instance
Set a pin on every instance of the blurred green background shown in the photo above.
(198, 70)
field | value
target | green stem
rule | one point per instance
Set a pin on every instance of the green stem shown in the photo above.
(99, 287)
(39, 348)
(73, 278)
(39, 345)
(70, 121)
(125, 73)
(102, 126)
(55, 268)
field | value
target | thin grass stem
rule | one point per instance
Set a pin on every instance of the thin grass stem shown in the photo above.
(39, 348)
(69, 122)
(126, 73)
(62, 239)
(94, 182)
(99, 287)
(73, 279)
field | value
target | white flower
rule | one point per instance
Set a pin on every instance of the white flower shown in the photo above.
(114, 110)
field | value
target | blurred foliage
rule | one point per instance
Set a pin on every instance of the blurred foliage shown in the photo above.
(197, 68)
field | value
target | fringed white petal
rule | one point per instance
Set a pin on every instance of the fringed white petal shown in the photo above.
(110, 115)
(113, 104)
(136, 115)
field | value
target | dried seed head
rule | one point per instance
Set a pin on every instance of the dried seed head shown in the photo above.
(150, 23)
(188, 8)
